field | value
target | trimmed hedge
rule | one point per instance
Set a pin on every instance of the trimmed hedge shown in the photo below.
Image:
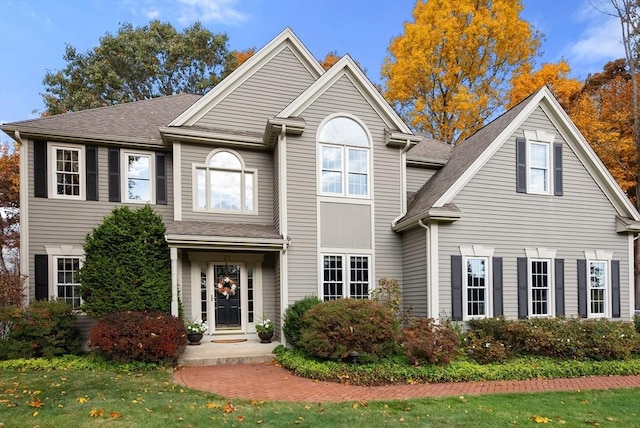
(43, 329)
(152, 337)
(424, 341)
(335, 329)
(293, 318)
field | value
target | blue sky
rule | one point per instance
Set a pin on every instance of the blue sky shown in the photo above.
(33, 33)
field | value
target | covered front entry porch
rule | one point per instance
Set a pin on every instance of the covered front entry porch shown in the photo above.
(227, 275)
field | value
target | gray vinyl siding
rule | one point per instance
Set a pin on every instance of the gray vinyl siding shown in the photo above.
(302, 190)
(67, 222)
(185, 286)
(494, 215)
(415, 272)
(276, 188)
(270, 291)
(260, 161)
(416, 177)
(261, 96)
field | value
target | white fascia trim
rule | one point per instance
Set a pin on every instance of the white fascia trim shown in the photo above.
(198, 241)
(631, 285)
(283, 40)
(346, 67)
(177, 181)
(506, 133)
(589, 158)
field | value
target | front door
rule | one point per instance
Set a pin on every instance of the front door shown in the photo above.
(227, 297)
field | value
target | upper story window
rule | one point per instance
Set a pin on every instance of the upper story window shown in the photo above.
(138, 173)
(67, 171)
(539, 164)
(224, 184)
(344, 158)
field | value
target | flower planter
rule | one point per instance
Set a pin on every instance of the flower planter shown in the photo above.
(194, 339)
(265, 337)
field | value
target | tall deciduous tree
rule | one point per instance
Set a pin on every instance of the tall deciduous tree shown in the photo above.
(135, 64)
(9, 209)
(448, 73)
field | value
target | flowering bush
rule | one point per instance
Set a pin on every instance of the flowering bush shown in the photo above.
(197, 327)
(266, 326)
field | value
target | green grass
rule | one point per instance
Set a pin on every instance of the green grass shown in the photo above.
(148, 398)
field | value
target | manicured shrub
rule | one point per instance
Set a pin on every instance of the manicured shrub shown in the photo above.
(636, 321)
(139, 336)
(127, 264)
(43, 329)
(486, 349)
(293, 318)
(425, 341)
(334, 329)
(11, 289)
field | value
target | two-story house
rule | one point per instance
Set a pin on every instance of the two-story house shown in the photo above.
(286, 180)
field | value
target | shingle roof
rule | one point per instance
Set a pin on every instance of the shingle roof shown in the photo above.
(226, 230)
(462, 157)
(429, 151)
(136, 121)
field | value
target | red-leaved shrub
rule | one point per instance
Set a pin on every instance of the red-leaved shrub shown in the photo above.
(425, 341)
(140, 336)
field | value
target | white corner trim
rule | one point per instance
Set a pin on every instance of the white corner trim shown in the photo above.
(476, 251)
(540, 253)
(539, 135)
(177, 181)
(434, 271)
(24, 213)
(598, 255)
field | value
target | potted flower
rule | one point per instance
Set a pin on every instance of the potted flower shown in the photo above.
(265, 330)
(195, 330)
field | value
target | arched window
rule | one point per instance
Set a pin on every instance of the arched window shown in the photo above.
(344, 154)
(223, 184)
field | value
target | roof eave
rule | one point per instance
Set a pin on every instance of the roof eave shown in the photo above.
(627, 225)
(441, 215)
(221, 242)
(209, 137)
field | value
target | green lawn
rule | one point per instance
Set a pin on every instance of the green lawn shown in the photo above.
(79, 398)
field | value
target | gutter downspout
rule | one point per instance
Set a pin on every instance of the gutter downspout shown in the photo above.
(24, 214)
(403, 179)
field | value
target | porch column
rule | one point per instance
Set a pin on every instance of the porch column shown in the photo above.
(174, 281)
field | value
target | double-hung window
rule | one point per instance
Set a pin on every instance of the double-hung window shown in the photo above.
(138, 173)
(224, 184)
(67, 284)
(598, 288)
(477, 293)
(67, 167)
(540, 291)
(344, 158)
(539, 164)
(345, 275)
(538, 167)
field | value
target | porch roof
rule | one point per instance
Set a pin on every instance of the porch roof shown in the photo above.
(201, 234)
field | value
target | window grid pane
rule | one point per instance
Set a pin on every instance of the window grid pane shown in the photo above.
(540, 287)
(597, 287)
(538, 167)
(67, 172)
(331, 169)
(138, 177)
(67, 284)
(332, 278)
(359, 277)
(476, 287)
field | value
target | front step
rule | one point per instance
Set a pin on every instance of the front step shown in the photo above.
(209, 353)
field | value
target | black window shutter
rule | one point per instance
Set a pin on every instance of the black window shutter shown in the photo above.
(615, 288)
(456, 288)
(521, 165)
(523, 301)
(42, 276)
(557, 169)
(91, 152)
(559, 272)
(497, 287)
(161, 178)
(40, 169)
(582, 288)
(114, 175)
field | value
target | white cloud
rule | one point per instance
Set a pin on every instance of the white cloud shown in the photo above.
(208, 11)
(153, 14)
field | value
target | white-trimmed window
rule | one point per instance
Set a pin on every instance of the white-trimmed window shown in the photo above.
(540, 288)
(538, 167)
(224, 184)
(67, 171)
(598, 288)
(138, 177)
(340, 280)
(67, 284)
(476, 288)
(344, 151)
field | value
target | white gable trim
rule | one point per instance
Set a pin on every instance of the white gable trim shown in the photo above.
(286, 39)
(573, 138)
(348, 68)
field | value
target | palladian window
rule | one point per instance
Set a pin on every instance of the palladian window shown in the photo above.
(223, 184)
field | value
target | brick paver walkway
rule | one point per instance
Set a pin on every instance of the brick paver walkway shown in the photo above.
(270, 382)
